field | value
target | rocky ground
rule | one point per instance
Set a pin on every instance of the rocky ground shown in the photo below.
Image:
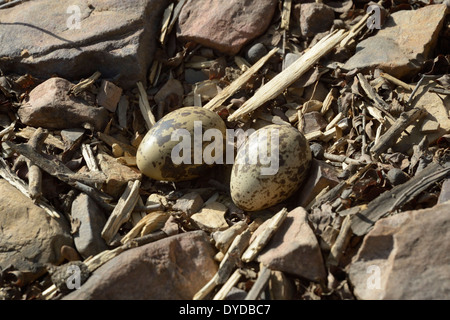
(82, 82)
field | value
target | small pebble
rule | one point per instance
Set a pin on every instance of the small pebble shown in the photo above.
(193, 76)
(396, 176)
(290, 59)
(256, 52)
(317, 151)
(70, 254)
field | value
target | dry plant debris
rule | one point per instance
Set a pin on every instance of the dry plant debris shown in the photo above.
(378, 132)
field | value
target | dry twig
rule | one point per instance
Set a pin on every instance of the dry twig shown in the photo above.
(287, 77)
(122, 211)
(264, 237)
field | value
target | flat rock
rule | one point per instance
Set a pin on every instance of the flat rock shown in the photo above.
(405, 257)
(169, 269)
(189, 203)
(70, 136)
(109, 95)
(29, 237)
(315, 18)
(116, 38)
(211, 217)
(224, 25)
(88, 239)
(49, 106)
(313, 121)
(294, 248)
(404, 42)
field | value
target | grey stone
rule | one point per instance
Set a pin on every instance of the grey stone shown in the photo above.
(70, 136)
(88, 240)
(173, 268)
(317, 150)
(116, 38)
(397, 176)
(256, 52)
(193, 76)
(290, 59)
(190, 203)
(236, 294)
(29, 237)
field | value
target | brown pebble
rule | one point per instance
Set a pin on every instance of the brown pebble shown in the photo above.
(70, 253)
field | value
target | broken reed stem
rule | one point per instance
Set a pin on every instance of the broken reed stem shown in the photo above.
(34, 172)
(286, 14)
(333, 193)
(7, 130)
(122, 211)
(220, 99)
(146, 225)
(165, 23)
(363, 132)
(89, 158)
(389, 138)
(231, 282)
(51, 140)
(260, 283)
(341, 242)
(227, 265)
(380, 104)
(415, 89)
(396, 81)
(341, 158)
(56, 168)
(145, 107)
(84, 84)
(97, 195)
(327, 102)
(263, 238)
(287, 77)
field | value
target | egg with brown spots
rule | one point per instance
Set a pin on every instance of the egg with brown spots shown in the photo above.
(269, 167)
(168, 151)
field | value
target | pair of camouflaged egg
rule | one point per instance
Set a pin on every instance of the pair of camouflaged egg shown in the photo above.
(254, 185)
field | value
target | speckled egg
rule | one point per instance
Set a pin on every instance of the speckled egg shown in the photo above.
(256, 185)
(154, 156)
